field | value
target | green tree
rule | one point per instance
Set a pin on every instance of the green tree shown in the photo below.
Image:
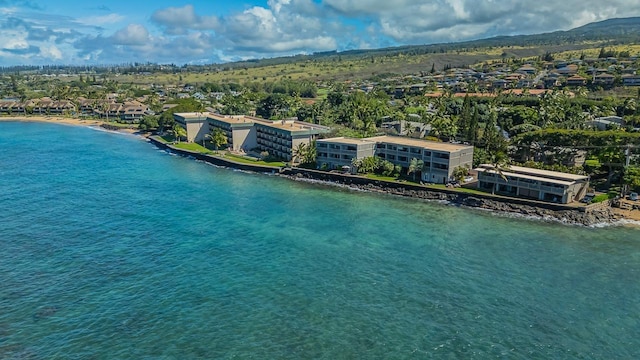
(218, 138)
(415, 165)
(459, 173)
(179, 132)
(632, 177)
(305, 154)
(148, 122)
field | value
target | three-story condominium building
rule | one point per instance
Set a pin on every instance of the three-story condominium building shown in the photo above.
(336, 153)
(439, 159)
(536, 184)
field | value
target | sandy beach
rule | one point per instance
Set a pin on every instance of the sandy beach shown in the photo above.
(62, 120)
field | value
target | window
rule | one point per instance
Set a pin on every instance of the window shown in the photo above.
(427, 153)
(402, 158)
(391, 157)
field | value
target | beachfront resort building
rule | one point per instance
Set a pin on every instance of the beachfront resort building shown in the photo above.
(337, 153)
(245, 133)
(529, 183)
(195, 124)
(439, 159)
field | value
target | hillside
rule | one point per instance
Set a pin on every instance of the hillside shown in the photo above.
(376, 63)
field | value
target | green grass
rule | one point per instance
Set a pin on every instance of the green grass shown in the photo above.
(192, 147)
(380, 177)
(253, 161)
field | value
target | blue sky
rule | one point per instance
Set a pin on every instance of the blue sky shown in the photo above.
(215, 31)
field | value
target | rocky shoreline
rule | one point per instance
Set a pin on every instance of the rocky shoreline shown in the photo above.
(595, 217)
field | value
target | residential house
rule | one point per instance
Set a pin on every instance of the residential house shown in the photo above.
(527, 69)
(604, 80)
(605, 122)
(631, 80)
(576, 80)
(568, 70)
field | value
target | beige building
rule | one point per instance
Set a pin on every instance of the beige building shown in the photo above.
(543, 185)
(439, 158)
(195, 123)
(239, 129)
(244, 133)
(335, 153)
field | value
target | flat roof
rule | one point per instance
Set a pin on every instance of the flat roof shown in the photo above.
(193, 115)
(522, 171)
(529, 177)
(231, 119)
(426, 144)
(346, 140)
(289, 125)
(292, 125)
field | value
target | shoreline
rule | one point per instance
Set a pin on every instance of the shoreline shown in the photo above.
(613, 217)
(72, 121)
(505, 210)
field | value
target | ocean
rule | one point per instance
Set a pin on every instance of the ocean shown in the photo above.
(113, 249)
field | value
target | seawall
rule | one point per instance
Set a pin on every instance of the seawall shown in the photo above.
(582, 215)
(215, 160)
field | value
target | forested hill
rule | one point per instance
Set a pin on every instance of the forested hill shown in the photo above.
(607, 32)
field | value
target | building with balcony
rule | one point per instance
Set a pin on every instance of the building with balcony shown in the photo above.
(244, 133)
(335, 153)
(439, 158)
(280, 137)
(536, 184)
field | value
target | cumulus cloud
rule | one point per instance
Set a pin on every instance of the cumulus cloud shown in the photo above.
(178, 20)
(280, 27)
(134, 34)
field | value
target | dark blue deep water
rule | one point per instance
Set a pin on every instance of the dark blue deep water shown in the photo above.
(110, 248)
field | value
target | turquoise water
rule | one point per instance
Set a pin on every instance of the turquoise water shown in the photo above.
(110, 248)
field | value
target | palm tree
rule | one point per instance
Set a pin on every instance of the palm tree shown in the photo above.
(218, 138)
(414, 166)
(299, 153)
(178, 132)
(499, 163)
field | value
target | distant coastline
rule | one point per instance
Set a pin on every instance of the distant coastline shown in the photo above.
(72, 121)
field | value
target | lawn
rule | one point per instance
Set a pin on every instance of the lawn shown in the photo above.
(250, 160)
(192, 147)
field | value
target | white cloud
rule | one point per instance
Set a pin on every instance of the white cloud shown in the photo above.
(101, 20)
(178, 20)
(51, 52)
(282, 27)
(134, 34)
